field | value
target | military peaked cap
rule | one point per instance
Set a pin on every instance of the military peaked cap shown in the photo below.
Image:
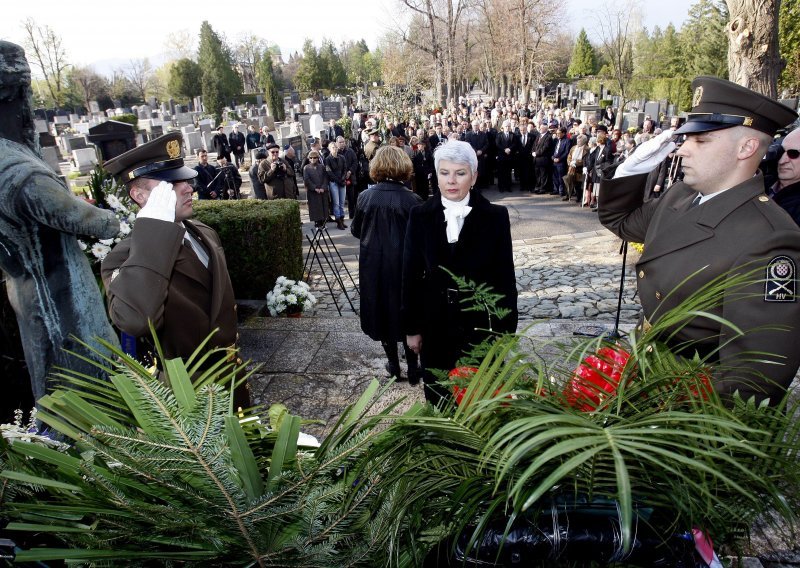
(718, 104)
(160, 159)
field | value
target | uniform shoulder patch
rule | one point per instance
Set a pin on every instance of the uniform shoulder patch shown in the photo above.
(781, 280)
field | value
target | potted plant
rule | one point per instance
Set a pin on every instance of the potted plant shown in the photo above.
(289, 297)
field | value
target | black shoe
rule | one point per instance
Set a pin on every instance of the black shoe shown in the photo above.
(565, 198)
(414, 375)
(394, 371)
(554, 193)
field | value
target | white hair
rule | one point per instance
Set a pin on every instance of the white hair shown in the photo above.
(457, 152)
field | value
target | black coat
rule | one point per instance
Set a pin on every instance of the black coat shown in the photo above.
(482, 254)
(789, 199)
(380, 224)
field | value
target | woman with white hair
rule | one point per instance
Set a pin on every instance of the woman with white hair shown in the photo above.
(461, 232)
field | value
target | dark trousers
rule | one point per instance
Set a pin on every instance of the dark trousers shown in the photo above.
(352, 196)
(543, 181)
(504, 174)
(559, 170)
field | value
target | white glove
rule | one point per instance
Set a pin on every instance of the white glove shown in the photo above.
(585, 170)
(161, 204)
(647, 156)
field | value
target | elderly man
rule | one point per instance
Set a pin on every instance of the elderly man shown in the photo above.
(170, 271)
(715, 224)
(786, 191)
(276, 175)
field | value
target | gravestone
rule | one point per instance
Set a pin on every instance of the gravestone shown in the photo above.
(193, 141)
(187, 129)
(84, 160)
(73, 143)
(632, 120)
(295, 142)
(330, 110)
(183, 118)
(112, 138)
(47, 140)
(40, 114)
(74, 119)
(653, 109)
(94, 107)
(60, 119)
(40, 125)
(111, 112)
(791, 103)
(82, 128)
(156, 130)
(294, 98)
(315, 125)
(305, 121)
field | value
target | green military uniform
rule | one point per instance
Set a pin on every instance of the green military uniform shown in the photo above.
(739, 231)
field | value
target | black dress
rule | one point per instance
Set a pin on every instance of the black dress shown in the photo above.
(430, 302)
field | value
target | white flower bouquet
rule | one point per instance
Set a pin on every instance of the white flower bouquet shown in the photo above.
(107, 195)
(289, 297)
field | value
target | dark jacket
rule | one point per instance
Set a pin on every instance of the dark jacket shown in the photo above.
(202, 183)
(510, 141)
(236, 141)
(482, 254)
(259, 189)
(336, 168)
(789, 199)
(253, 139)
(685, 248)
(380, 224)
(221, 146)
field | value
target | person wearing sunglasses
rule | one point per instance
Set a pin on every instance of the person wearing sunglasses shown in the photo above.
(786, 191)
(715, 224)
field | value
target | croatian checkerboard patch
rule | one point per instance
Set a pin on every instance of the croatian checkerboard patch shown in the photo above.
(781, 280)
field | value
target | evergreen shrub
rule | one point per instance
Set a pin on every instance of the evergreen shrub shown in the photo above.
(262, 240)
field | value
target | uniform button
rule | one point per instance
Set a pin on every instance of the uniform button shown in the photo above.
(641, 274)
(658, 295)
(763, 198)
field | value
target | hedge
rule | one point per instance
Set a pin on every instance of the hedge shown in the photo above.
(262, 240)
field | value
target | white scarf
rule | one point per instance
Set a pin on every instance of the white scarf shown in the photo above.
(454, 214)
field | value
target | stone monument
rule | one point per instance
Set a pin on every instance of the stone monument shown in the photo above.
(49, 282)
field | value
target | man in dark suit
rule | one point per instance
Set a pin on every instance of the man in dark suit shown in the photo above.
(205, 183)
(525, 159)
(236, 141)
(507, 150)
(543, 154)
(786, 191)
(713, 225)
(334, 130)
(170, 271)
(480, 143)
(220, 144)
(560, 153)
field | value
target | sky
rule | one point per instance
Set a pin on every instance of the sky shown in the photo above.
(105, 39)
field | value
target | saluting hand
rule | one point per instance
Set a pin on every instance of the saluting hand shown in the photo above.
(160, 204)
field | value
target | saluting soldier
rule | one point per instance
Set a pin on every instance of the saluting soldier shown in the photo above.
(170, 270)
(717, 222)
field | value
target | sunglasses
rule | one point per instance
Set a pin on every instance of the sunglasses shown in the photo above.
(793, 153)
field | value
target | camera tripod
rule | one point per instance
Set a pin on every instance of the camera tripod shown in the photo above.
(322, 248)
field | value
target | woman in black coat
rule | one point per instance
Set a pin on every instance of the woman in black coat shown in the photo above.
(380, 223)
(464, 233)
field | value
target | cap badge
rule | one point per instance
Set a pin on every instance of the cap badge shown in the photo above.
(173, 149)
(698, 96)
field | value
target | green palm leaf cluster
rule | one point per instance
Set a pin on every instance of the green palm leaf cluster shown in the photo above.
(162, 471)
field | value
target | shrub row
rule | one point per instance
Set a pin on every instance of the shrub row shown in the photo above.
(262, 240)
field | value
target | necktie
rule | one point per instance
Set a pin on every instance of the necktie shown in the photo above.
(696, 201)
(197, 250)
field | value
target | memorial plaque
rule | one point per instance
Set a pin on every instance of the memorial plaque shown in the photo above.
(330, 110)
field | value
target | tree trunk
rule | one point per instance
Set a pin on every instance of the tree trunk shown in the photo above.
(754, 59)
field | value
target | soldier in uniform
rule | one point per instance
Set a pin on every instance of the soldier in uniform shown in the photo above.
(717, 222)
(170, 270)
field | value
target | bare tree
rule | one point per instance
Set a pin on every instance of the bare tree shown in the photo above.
(438, 21)
(616, 33)
(754, 59)
(88, 83)
(49, 56)
(247, 53)
(181, 44)
(140, 74)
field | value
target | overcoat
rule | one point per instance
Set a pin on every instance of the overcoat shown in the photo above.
(152, 275)
(314, 176)
(789, 200)
(739, 231)
(380, 224)
(430, 299)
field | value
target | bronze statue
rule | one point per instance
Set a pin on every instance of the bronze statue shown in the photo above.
(49, 282)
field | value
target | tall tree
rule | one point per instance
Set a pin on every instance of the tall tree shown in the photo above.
(140, 74)
(247, 54)
(220, 82)
(310, 73)
(335, 75)
(49, 56)
(86, 84)
(268, 82)
(789, 39)
(704, 40)
(584, 58)
(616, 28)
(185, 78)
(753, 54)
